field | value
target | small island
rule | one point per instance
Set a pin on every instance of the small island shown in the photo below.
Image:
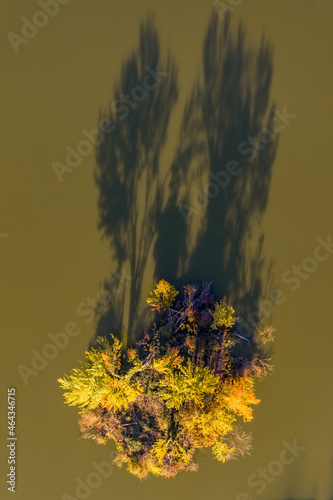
(185, 385)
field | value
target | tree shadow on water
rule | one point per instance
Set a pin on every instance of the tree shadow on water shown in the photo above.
(204, 224)
(128, 174)
(222, 173)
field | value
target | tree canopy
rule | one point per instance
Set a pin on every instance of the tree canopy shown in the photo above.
(185, 385)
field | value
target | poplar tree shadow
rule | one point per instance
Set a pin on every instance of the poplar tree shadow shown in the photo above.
(128, 175)
(217, 236)
(193, 238)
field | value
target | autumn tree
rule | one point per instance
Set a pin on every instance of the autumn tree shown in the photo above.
(185, 385)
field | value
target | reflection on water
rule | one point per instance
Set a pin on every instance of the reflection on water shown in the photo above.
(226, 146)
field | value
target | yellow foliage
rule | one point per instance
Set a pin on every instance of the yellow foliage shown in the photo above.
(160, 449)
(168, 362)
(205, 427)
(222, 451)
(97, 382)
(189, 383)
(154, 467)
(163, 295)
(223, 314)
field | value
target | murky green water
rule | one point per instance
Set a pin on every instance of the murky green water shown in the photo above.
(267, 204)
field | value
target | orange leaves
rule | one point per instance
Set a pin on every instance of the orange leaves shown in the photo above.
(132, 354)
(239, 395)
(105, 357)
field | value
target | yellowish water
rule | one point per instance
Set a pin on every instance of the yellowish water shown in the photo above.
(53, 261)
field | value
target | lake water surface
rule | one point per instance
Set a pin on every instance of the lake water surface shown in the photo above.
(218, 168)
